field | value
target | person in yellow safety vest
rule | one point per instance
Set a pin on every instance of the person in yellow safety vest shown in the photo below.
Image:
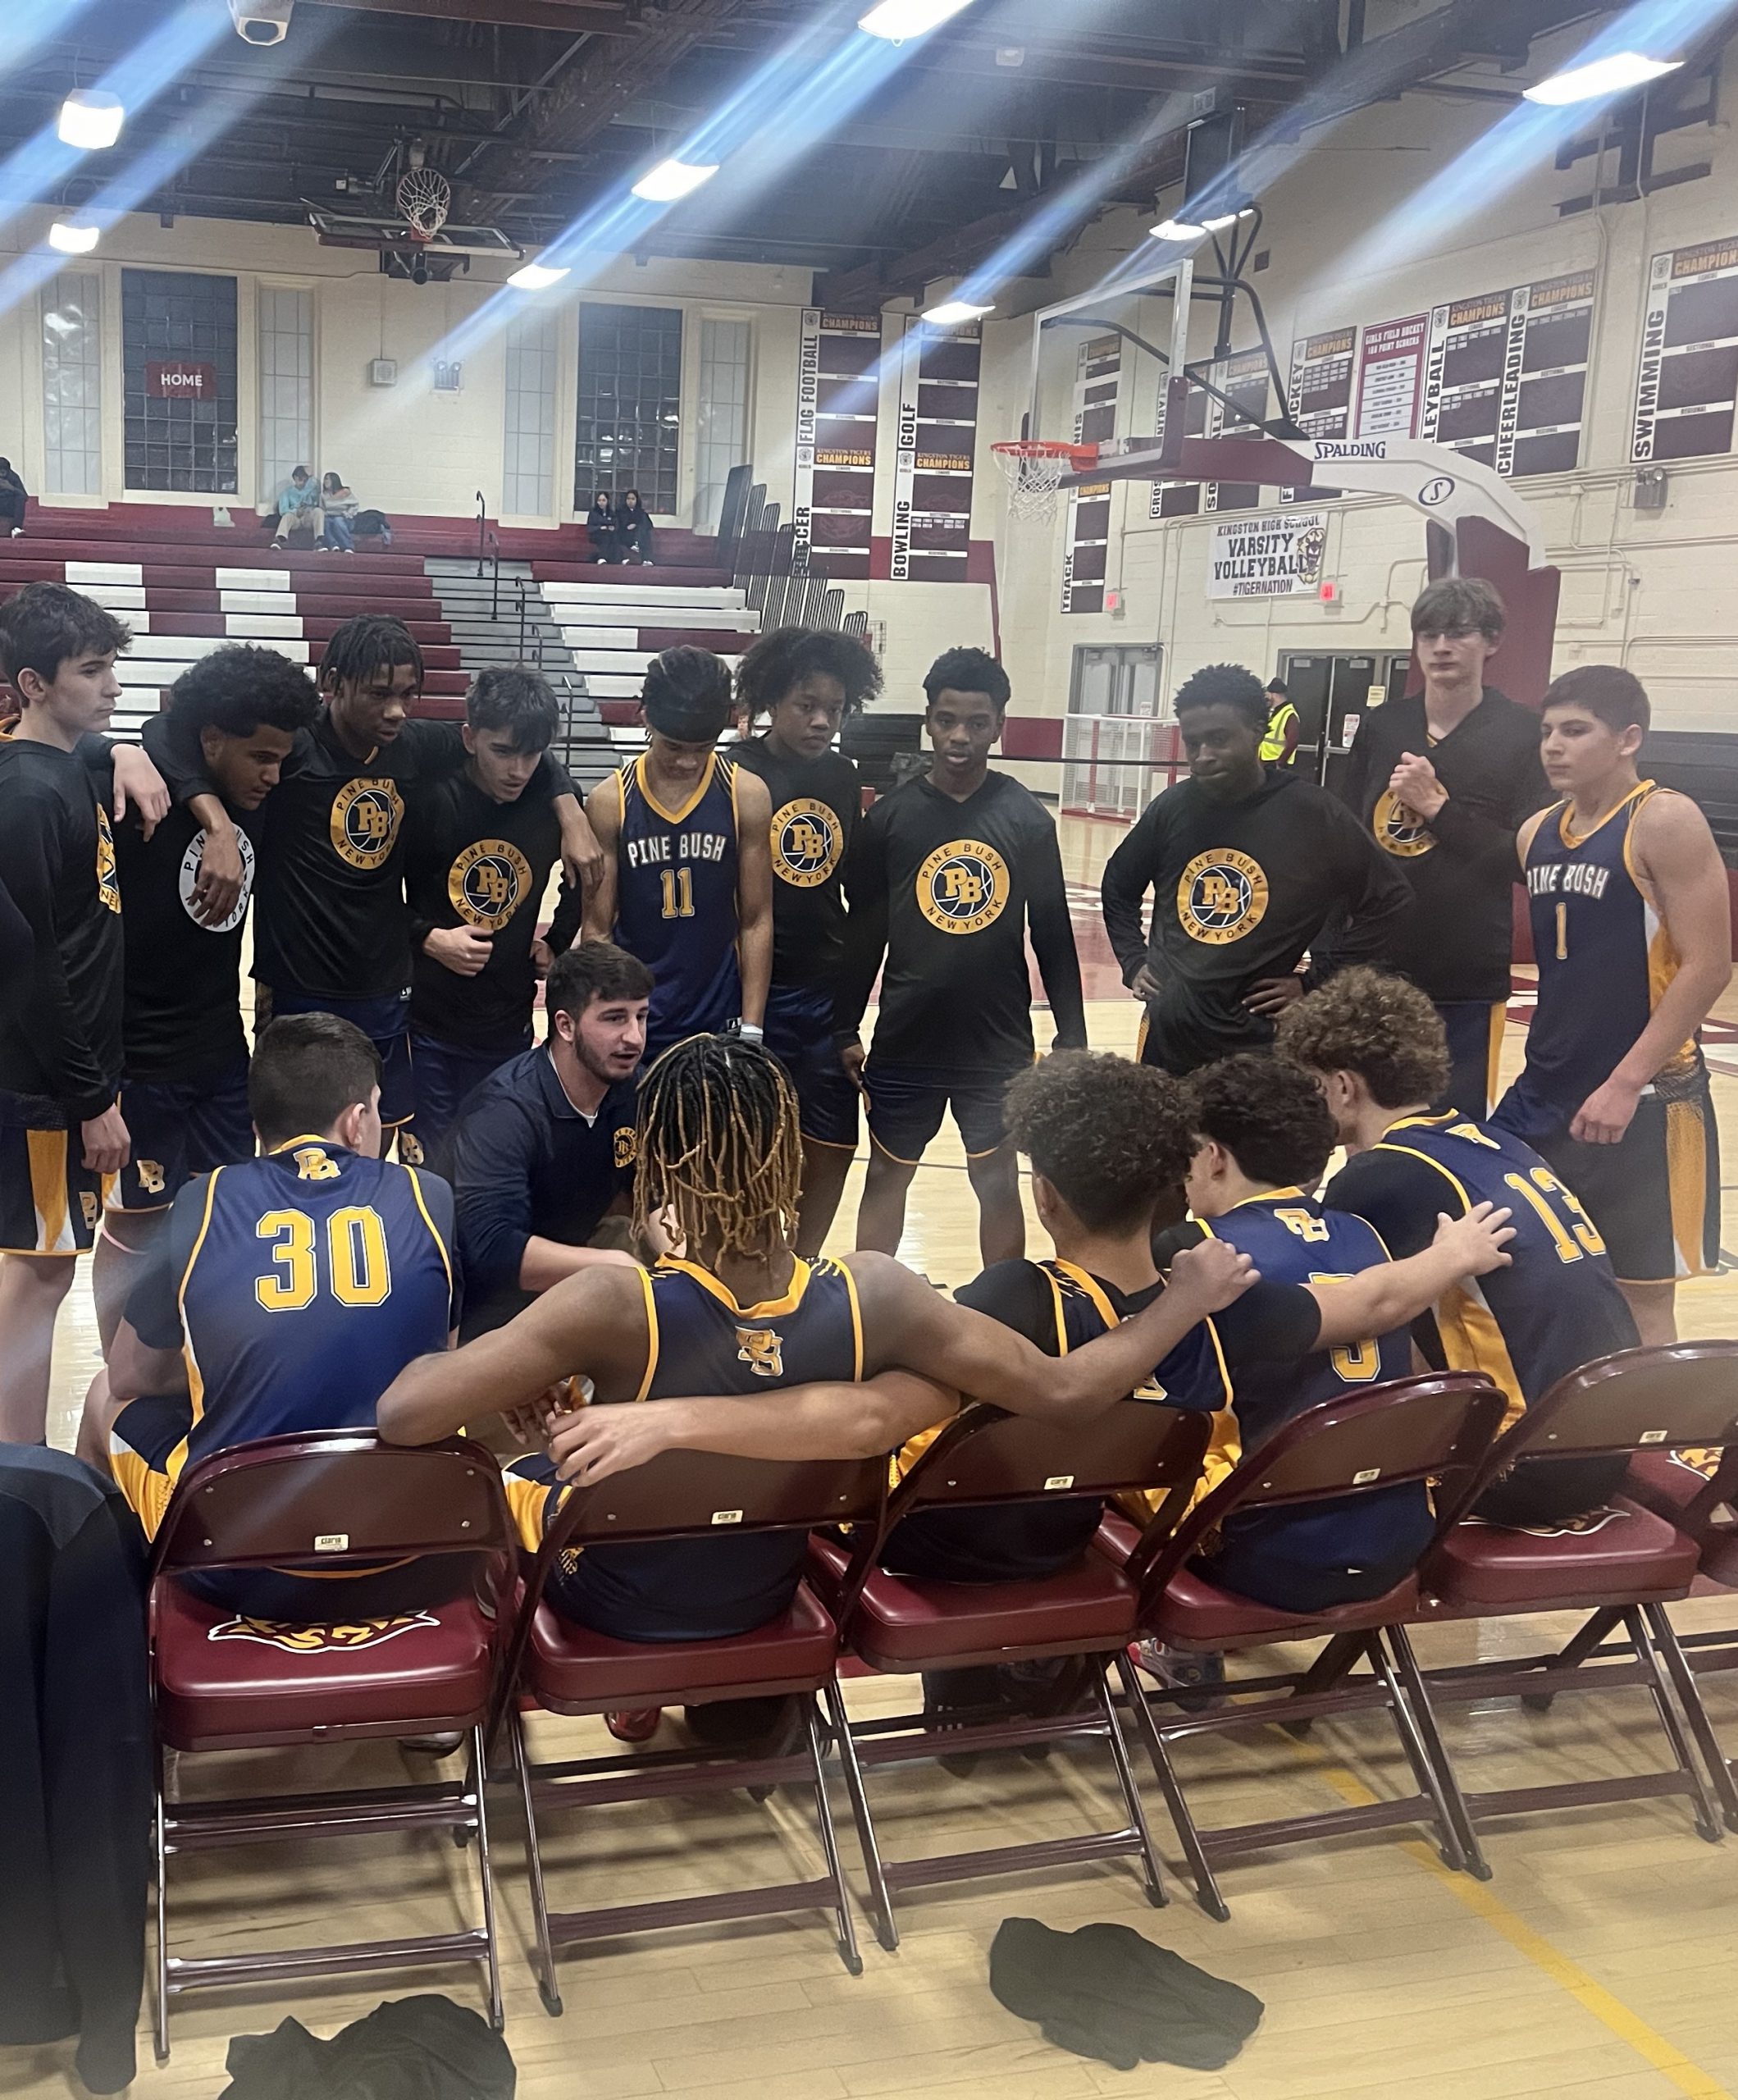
(1279, 744)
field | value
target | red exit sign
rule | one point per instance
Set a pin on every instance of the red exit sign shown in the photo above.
(178, 380)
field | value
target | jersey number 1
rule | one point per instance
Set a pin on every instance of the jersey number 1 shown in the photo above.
(679, 891)
(357, 1269)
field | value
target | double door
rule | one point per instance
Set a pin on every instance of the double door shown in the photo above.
(1332, 691)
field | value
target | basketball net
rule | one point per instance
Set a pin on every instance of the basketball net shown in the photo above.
(425, 197)
(1034, 467)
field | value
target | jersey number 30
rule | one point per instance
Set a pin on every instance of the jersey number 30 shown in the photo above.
(358, 1271)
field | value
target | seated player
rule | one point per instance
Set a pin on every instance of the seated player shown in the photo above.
(1632, 934)
(478, 851)
(543, 1151)
(285, 1294)
(807, 682)
(687, 880)
(1378, 1047)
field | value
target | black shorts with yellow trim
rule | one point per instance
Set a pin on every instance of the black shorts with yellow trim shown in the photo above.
(907, 1102)
(50, 1201)
(1654, 1196)
(799, 1032)
(180, 1128)
(145, 1436)
(1474, 1028)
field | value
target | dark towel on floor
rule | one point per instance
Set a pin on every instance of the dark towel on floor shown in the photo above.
(420, 2048)
(1104, 1992)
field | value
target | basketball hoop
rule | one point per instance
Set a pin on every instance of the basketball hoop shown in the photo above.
(1034, 467)
(425, 197)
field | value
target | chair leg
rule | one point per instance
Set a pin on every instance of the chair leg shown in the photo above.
(480, 1780)
(848, 1953)
(886, 1931)
(1690, 1698)
(1424, 1714)
(1574, 1653)
(544, 1959)
(1130, 1791)
(1708, 1822)
(1417, 1756)
(1206, 1886)
(160, 2037)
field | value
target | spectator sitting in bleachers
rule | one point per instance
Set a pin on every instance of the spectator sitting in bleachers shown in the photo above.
(13, 497)
(298, 509)
(633, 529)
(338, 509)
(601, 529)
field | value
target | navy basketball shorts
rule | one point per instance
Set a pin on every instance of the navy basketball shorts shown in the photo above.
(1654, 1196)
(50, 1201)
(385, 1022)
(907, 1102)
(1474, 1028)
(179, 1128)
(799, 1032)
(445, 1074)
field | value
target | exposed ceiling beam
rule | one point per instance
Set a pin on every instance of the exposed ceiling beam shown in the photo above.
(569, 17)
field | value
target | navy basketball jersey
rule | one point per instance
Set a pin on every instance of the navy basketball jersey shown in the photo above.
(1604, 958)
(315, 1276)
(676, 900)
(1191, 1376)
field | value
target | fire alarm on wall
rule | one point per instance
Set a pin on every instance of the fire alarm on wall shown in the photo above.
(1113, 601)
(1330, 593)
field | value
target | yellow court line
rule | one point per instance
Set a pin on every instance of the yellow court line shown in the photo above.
(1610, 2012)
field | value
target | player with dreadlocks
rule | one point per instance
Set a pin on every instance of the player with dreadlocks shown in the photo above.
(741, 1313)
(332, 934)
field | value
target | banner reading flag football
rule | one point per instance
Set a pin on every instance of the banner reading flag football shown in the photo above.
(836, 407)
(1276, 555)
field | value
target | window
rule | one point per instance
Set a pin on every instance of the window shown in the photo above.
(721, 427)
(528, 460)
(72, 383)
(286, 386)
(630, 404)
(178, 365)
(1108, 739)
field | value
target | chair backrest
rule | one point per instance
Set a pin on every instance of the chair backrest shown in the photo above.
(1671, 1396)
(1437, 1427)
(332, 1498)
(987, 1455)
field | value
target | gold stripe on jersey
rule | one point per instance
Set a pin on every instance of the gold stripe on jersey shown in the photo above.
(771, 1308)
(48, 1151)
(709, 772)
(1687, 1183)
(195, 1379)
(650, 1298)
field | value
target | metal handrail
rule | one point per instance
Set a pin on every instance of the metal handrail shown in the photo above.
(482, 526)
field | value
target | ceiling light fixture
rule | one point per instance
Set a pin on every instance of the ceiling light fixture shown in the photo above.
(90, 120)
(899, 20)
(672, 179)
(951, 311)
(1600, 77)
(536, 276)
(1225, 219)
(1177, 229)
(72, 239)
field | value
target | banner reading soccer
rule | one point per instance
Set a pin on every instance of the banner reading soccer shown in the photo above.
(1276, 555)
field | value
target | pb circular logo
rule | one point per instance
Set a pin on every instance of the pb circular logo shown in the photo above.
(488, 883)
(963, 887)
(1222, 895)
(807, 840)
(366, 816)
(191, 862)
(1398, 830)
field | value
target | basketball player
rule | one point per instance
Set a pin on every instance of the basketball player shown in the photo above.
(1632, 935)
(184, 1099)
(808, 683)
(687, 880)
(331, 930)
(720, 1147)
(1378, 1047)
(945, 876)
(286, 1294)
(1250, 866)
(478, 852)
(1443, 778)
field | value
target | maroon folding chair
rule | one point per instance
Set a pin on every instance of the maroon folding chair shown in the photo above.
(1623, 1560)
(565, 1668)
(337, 1502)
(900, 1623)
(1435, 1428)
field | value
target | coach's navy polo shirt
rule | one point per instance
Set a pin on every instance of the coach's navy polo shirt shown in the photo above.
(524, 1163)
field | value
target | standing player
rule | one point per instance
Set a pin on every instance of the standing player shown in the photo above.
(687, 880)
(1441, 778)
(1632, 935)
(946, 873)
(479, 848)
(1378, 1048)
(807, 682)
(1251, 866)
(331, 930)
(185, 1099)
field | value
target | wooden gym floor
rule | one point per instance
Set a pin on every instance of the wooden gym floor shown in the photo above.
(1597, 1963)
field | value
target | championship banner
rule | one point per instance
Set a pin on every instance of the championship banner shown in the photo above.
(1276, 555)
(837, 413)
(1319, 387)
(1687, 385)
(1390, 371)
(1098, 365)
(1506, 375)
(1244, 378)
(936, 462)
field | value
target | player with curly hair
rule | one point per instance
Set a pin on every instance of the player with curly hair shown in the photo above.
(807, 682)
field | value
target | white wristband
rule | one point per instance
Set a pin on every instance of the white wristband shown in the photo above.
(750, 1032)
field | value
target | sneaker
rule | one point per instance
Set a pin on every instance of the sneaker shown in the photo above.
(1197, 1680)
(638, 1725)
(18, 531)
(433, 1746)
